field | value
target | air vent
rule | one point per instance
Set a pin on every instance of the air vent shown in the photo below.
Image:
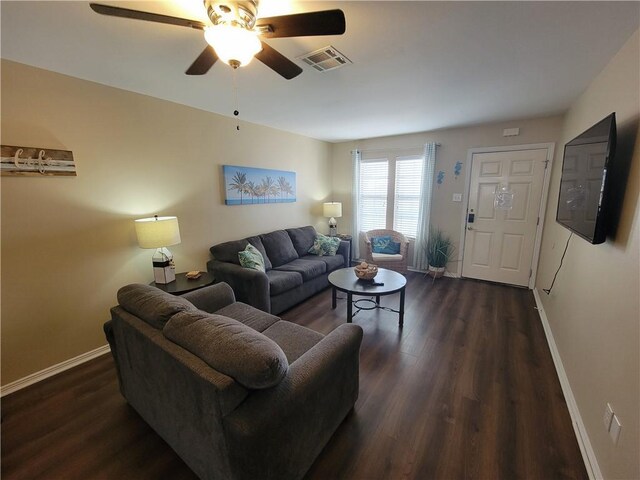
(327, 58)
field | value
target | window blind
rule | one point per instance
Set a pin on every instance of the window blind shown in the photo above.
(407, 195)
(372, 204)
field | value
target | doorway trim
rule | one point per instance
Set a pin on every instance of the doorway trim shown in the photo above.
(550, 147)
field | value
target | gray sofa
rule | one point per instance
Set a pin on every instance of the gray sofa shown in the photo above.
(292, 274)
(239, 393)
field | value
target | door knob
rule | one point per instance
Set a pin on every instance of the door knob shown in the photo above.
(469, 228)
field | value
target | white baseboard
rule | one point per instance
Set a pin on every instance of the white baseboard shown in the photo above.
(588, 455)
(51, 371)
(447, 273)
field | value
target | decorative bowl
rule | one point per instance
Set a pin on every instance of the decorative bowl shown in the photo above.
(366, 271)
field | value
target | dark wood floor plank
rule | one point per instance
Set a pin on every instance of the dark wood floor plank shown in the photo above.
(467, 389)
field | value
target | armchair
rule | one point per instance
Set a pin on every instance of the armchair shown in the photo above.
(397, 262)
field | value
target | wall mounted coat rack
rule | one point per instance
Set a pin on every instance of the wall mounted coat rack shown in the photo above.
(36, 162)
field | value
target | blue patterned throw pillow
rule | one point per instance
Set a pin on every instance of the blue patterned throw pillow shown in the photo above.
(385, 245)
(323, 245)
(251, 258)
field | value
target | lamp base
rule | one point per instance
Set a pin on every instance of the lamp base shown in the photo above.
(333, 227)
(164, 270)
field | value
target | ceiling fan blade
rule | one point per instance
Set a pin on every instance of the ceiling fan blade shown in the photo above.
(327, 22)
(149, 17)
(203, 63)
(278, 62)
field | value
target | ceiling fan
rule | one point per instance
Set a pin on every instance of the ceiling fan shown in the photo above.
(233, 35)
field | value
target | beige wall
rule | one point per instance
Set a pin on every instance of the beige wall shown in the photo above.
(68, 244)
(455, 144)
(593, 309)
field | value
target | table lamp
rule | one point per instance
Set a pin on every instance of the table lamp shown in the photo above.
(159, 233)
(332, 209)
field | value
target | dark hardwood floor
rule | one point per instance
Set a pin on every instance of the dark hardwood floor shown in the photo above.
(466, 390)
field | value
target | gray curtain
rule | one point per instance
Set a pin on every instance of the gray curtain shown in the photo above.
(424, 215)
(355, 214)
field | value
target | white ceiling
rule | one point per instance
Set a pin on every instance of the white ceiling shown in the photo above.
(417, 66)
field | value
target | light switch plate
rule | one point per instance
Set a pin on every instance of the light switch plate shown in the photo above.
(457, 197)
(608, 415)
(614, 430)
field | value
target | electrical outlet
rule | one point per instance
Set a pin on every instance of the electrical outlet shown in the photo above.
(614, 430)
(457, 197)
(608, 415)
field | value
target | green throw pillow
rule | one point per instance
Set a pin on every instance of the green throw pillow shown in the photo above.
(324, 245)
(251, 258)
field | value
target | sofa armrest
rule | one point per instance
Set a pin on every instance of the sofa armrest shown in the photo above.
(111, 339)
(211, 298)
(344, 249)
(304, 409)
(249, 286)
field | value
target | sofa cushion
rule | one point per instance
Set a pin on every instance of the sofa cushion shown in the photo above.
(332, 262)
(250, 316)
(294, 339)
(251, 258)
(386, 257)
(308, 268)
(228, 251)
(250, 358)
(302, 239)
(151, 304)
(323, 245)
(280, 282)
(279, 247)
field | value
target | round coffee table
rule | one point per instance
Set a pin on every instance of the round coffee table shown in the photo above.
(345, 280)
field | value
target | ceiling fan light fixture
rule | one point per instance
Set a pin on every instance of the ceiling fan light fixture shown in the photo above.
(234, 45)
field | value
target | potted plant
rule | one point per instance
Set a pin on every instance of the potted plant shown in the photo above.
(439, 250)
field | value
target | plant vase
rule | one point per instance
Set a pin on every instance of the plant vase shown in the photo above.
(436, 272)
(439, 251)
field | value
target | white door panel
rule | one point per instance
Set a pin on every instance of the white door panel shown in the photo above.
(499, 244)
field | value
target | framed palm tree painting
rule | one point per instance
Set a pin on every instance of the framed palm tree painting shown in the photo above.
(246, 185)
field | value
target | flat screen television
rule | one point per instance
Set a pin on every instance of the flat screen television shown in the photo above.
(584, 203)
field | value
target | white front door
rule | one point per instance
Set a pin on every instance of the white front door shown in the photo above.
(499, 241)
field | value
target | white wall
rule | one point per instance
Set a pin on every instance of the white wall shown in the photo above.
(68, 243)
(594, 309)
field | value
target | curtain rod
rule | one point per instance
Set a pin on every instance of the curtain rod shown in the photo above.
(397, 149)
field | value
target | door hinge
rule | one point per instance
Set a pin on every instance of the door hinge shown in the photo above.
(538, 222)
(530, 272)
(546, 164)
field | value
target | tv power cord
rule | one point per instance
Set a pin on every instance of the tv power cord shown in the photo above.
(548, 290)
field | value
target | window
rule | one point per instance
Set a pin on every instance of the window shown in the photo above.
(373, 194)
(389, 195)
(407, 195)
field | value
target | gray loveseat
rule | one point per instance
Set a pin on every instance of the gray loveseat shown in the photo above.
(292, 274)
(239, 393)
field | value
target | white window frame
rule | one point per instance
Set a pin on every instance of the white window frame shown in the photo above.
(391, 157)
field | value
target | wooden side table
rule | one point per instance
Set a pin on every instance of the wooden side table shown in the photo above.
(183, 285)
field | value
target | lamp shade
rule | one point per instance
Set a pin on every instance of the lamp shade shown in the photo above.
(157, 232)
(332, 209)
